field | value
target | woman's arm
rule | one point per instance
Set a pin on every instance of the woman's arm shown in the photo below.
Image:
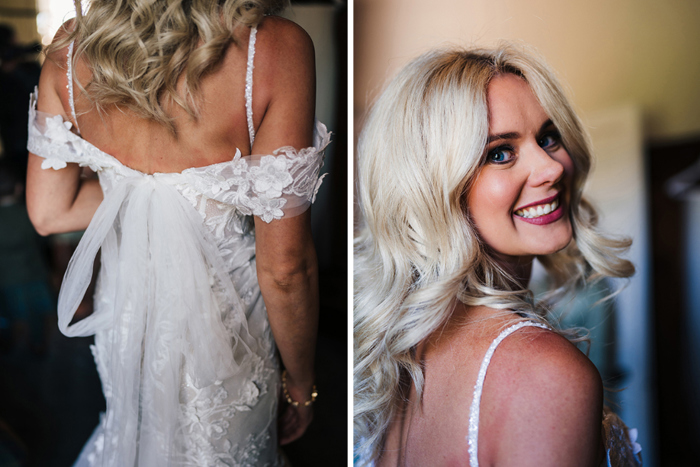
(288, 277)
(285, 254)
(58, 200)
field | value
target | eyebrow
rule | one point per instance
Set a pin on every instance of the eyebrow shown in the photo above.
(515, 134)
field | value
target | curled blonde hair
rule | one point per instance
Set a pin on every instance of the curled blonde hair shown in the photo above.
(138, 49)
(417, 251)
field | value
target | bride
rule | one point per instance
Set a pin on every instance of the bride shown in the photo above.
(198, 118)
(471, 164)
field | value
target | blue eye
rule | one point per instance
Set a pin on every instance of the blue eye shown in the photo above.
(549, 140)
(500, 155)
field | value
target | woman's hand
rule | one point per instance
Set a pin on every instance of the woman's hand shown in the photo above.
(295, 418)
(293, 421)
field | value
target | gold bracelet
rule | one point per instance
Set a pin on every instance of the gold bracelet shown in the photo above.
(291, 401)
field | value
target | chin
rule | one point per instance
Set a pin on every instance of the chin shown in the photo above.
(556, 240)
(554, 247)
(551, 251)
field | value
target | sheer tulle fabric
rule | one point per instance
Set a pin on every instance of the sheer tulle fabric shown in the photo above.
(181, 329)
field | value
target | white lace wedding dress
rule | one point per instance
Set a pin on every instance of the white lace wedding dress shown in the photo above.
(182, 342)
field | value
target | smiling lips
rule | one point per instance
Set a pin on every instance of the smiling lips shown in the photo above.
(544, 212)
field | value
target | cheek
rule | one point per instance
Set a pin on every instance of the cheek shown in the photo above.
(492, 198)
(567, 162)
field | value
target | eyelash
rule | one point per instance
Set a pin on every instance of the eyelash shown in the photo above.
(504, 148)
(556, 139)
(553, 134)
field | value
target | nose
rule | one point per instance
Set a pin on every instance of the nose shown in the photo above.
(544, 168)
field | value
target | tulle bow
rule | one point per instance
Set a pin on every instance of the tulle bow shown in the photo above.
(161, 268)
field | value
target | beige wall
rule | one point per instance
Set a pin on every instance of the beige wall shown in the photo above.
(640, 52)
(318, 21)
(22, 15)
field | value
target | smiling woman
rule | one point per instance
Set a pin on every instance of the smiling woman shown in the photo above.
(471, 165)
(519, 199)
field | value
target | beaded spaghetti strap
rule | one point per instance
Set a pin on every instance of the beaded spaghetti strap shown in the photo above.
(249, 85)
(69, 75)
(476, 401)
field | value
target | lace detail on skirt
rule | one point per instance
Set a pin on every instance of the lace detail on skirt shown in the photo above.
(620, 442)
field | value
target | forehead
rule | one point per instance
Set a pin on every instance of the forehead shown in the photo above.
(512, 104)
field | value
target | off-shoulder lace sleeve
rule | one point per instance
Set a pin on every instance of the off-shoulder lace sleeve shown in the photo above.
(283, 184)
(50, 137)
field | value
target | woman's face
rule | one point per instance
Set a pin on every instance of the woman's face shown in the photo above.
(519, 200)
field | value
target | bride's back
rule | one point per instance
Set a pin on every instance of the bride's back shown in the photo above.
(221, 126)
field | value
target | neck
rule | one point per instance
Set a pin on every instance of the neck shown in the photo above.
(519, 267)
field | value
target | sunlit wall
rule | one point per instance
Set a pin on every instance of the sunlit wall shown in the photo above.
(628, 51)
(51, 15)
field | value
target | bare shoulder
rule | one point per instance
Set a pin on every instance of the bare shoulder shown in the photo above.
(548, 358)
(285, 38)
(53, 75)
(57, 56)
(285, 79)
(284, 53)
(544, 398)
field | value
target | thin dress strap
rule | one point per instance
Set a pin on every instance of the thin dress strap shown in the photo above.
(476, 401)
(249, 85)
(69, 75)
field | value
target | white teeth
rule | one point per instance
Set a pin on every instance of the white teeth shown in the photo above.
(537, 211)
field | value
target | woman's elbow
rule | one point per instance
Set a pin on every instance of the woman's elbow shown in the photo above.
(41, 220)
(289, 275)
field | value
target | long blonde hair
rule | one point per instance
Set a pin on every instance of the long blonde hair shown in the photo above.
(138, 49)
(417, 251)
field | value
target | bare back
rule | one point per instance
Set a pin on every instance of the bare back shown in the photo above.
(213, 137)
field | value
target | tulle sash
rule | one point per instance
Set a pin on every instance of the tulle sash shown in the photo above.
(161, 267)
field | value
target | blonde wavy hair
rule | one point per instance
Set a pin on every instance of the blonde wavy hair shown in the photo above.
(138, 49)
(417, 251)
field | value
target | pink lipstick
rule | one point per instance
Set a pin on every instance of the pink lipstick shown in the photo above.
(546, 218)
(541, 212)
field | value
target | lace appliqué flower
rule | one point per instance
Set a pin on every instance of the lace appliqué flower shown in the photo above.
(53, 163)
(636, 447)
(248, 453)
(271, 177)
(208, 417)
(50, 137)
(269, 209)
(56, 130)
(248, 397)
(238, 165)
